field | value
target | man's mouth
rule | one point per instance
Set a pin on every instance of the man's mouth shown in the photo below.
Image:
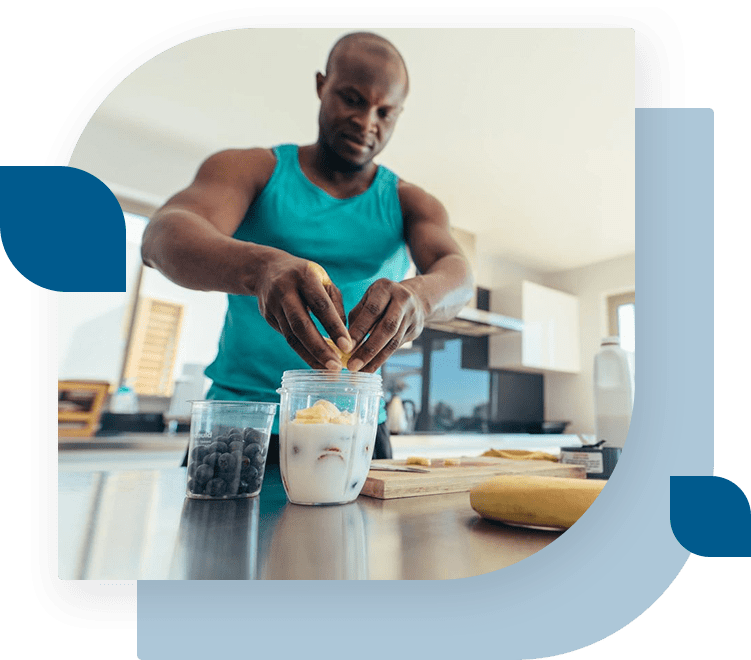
(358, 143)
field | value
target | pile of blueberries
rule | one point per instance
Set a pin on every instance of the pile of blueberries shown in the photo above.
(229, 466)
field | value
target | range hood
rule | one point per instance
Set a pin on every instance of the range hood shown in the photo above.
(472, 322)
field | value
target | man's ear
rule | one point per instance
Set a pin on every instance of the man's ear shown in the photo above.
(320, 80)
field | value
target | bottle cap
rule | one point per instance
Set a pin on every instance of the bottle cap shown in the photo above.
(609, 341)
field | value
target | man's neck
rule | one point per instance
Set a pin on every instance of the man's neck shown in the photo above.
(334, 168)
(333, 174)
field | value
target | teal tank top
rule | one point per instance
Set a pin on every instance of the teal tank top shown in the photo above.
(357, 240)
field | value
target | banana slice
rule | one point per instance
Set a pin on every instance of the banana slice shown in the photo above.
(323, 412)
(331, 410)
(343, 357)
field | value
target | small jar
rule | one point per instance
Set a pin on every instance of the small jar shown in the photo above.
(229, 441)
(327, 430)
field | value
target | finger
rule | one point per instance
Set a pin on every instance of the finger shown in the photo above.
(385, 337)
(295, 344)
(367, 312)
(319, 272)
(317, 298)
(302, 330)
(391, 347)
(336, 298)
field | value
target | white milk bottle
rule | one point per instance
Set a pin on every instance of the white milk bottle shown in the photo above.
(614, 392)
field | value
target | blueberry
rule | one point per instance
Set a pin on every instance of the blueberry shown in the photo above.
(248, 472)
(255, 485)
(211, 459)
(243, 488)
(218, 447)
(255, 454)
(203, 474)
(251, 435)
(199, 453)
(236, 445)
(234, 435)
(216, 487)
(194, 487)
(227, 462)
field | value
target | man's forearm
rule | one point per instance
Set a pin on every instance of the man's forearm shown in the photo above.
(192, 253)
(444, 288)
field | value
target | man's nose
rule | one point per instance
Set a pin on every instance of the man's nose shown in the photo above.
(367, 120)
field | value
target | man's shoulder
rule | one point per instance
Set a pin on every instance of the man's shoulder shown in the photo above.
(249, 156)
(251, 164)
(415, 199)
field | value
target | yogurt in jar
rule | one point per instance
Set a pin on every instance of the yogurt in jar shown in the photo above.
(325, 455)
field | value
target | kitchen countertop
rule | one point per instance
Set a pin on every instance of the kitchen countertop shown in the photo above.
(138, 525)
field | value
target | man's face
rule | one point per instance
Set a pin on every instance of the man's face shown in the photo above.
(361, 99)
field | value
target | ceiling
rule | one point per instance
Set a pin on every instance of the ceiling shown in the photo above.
(525, 135)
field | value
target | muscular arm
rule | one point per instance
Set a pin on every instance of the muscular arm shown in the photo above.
(445, 283)
(392, 312)
(189, 240)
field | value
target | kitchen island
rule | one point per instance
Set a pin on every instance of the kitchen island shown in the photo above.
(138, 525)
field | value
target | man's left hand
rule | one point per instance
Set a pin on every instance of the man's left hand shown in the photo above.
(391, 313)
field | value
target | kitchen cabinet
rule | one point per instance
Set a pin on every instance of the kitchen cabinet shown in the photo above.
(549, 341)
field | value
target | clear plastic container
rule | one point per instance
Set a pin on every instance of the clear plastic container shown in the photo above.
(229, 441)
(327, 430)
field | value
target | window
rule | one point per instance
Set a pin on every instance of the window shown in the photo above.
(458, 398)
(622, 319)
(444, 395)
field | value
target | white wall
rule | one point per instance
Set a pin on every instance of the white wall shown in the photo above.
(569, 396)
(136, 158)
(493, 272)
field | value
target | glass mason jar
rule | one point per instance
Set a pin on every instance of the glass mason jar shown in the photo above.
(327, 430)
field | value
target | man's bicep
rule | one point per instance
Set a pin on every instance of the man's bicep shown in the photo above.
(223, 189)
(427, 229)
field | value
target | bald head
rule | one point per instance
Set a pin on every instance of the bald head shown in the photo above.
(367, 42)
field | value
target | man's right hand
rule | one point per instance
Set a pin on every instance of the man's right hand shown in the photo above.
(288, 292)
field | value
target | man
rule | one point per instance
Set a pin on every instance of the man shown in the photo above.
(298, 236)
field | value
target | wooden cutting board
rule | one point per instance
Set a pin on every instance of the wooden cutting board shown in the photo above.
(456, 478)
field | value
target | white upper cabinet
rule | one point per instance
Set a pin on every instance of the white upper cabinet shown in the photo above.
(550, 339)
